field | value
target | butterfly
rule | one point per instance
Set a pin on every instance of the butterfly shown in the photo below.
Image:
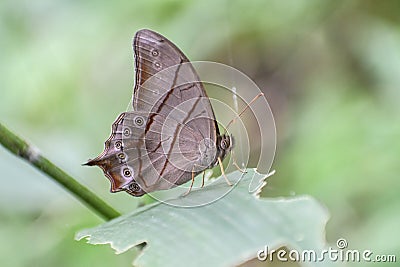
(171, 134)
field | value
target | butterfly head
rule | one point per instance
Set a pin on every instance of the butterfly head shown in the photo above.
(225, 144)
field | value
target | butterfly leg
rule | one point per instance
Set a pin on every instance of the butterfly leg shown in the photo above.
(223, 171)
(236, 165)
(202, 180)
(191, 185)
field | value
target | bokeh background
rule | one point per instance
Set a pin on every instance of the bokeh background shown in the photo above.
(330, 71)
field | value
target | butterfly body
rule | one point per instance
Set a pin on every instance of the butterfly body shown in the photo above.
(171, 134)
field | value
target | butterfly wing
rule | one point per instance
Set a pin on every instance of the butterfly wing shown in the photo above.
(176, 133)
(126, 143)
(160, 67)
(168, 86)
(139, 160)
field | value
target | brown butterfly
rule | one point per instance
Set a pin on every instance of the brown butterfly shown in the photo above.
(171, 135)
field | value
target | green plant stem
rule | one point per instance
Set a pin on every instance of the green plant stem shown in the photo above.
(21, 148)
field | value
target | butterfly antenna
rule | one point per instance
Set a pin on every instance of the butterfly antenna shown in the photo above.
(241, 113)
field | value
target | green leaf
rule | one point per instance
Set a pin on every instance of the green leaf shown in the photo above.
(225, 232)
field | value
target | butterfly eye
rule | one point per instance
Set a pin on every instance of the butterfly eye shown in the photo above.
(118, 145)
(224, 144)
(127, 172)
(127, 132)
(121, 155)
(139, 121)
(154, 52)
(134, 187)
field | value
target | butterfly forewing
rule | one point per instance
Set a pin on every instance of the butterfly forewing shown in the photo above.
(168, 85)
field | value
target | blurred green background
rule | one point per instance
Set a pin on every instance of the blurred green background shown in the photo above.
(330, 71)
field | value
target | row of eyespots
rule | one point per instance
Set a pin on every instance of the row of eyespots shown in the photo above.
(122, 156)
(157, 65)
(127, 132)
(133, 186)
(139, 121)
(127, 172)
(118, 145)
(155, 53)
